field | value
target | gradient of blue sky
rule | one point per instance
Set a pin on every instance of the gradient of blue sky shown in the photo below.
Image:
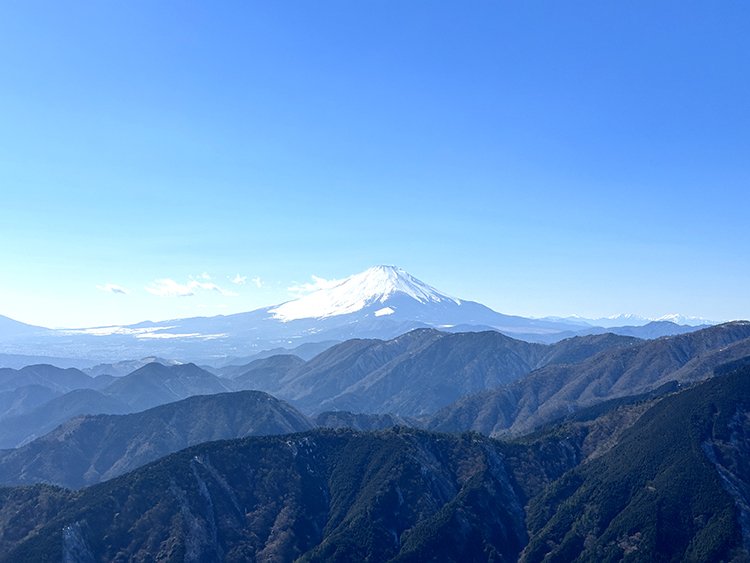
(544, 158)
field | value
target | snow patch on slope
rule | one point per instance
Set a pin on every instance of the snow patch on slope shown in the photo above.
(384, 311)
(352, 294)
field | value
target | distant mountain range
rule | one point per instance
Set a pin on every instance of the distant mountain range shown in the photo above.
(412, 376)
(469, 381)
(372, 376)
(381, 302)
(74, 393)
(629, 319)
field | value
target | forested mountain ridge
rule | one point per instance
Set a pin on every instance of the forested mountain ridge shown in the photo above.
(556, 390)
(651, 477)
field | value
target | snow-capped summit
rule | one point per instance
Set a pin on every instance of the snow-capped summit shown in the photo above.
(630, 319)
(679, 319)
(374, 286)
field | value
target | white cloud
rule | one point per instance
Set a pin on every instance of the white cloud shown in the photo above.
(242, 280)
(166, 287)
(315, 285)
(210, 286)
(113, 288)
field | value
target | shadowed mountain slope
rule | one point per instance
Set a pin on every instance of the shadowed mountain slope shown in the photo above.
(24, 399)
(151, 385)
(20, 429)
(265, 373)
(90, 449)
(156, 384)
(57, 379)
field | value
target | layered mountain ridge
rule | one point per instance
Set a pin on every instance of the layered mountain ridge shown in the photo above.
(482, 381)
(671, 485)
(639, 450)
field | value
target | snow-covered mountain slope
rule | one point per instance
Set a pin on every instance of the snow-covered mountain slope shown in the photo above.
(10, 328)
(679, 319)
(383, 301)
(629, 319)
(349, 295)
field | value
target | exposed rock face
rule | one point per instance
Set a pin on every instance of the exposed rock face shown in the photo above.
(730, 455)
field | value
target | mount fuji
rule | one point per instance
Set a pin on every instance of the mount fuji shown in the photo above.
(374, 289)
(383, 296)
(381, 302)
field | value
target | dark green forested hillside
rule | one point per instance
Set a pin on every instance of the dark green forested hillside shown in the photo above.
(672, 489)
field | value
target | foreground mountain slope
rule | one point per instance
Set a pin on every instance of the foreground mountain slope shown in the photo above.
(676, 486)
(656, 477)
(319, 496)
(91, 449)
(553, 391)
(26, 510)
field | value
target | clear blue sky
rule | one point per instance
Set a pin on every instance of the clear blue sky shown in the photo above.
(544, 158)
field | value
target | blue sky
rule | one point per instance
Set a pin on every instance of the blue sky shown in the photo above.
(544, 158)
